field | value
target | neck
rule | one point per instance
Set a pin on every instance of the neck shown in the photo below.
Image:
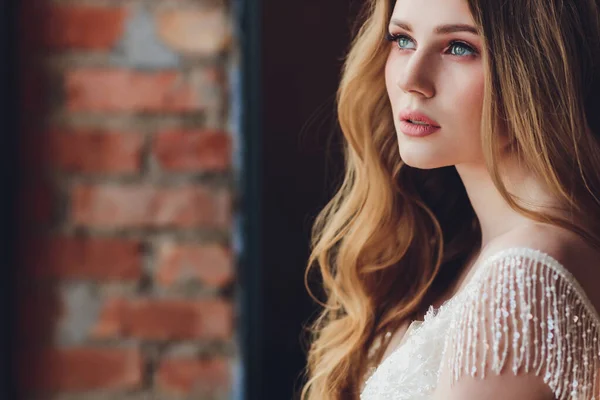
(495, 215)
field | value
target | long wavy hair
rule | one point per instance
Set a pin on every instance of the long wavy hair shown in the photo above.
(392, 237)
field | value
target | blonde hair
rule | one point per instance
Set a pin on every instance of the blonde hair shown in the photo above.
(393, 236)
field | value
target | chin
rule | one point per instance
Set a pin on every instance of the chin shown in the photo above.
(422, 161)
(422, 165)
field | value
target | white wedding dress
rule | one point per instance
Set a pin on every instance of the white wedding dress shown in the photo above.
(520, 303)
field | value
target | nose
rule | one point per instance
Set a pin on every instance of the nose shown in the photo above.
(416, 76)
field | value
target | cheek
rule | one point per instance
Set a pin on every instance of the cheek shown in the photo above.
(467, 102)
(468, 105)
(390, 81)
(475, 96)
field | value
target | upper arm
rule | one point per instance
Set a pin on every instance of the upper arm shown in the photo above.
(524, 329)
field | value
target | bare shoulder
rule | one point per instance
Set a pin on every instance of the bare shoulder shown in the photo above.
(525, 328)
(566, 247)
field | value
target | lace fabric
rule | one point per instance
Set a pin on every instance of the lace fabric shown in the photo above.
(520, 302)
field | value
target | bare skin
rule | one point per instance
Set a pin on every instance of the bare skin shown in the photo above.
(565, 246)
(442, 76)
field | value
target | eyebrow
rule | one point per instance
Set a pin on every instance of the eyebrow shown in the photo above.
(442, 29)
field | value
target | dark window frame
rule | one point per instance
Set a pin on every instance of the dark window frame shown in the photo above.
(291, 55)
(9, 78)
(248, 23)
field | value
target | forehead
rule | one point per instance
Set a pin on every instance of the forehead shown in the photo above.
(425, 13)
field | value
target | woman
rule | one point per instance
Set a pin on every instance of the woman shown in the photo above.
(459, 258)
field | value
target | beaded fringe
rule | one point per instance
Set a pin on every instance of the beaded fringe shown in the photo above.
(527, 307)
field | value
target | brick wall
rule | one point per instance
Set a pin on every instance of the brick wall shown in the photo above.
(126, 284)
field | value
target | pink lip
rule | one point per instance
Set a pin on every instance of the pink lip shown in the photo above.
(411, 129)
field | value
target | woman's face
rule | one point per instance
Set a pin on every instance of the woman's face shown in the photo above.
(439, 73)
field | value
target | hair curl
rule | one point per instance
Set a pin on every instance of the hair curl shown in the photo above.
(393, 236)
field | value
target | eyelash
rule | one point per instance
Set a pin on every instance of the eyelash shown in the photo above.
(394, 38)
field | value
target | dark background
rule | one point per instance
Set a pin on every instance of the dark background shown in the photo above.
(8, 178)
(293, 52)
(292, 69)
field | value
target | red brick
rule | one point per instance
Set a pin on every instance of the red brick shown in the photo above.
(84, 258)
(190, 376)
(96, 151)
(195, 150)
(148, 206)
(200, 32)
(129, 91)
(158, 319)
(82, 369)
(209, 264)
(83, 27)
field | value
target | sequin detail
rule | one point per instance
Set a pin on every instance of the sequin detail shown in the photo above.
(521, 302)
(529, 306)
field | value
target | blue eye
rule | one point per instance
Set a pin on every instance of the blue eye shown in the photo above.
(456, 47)
(399, 39)
(463, 47)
